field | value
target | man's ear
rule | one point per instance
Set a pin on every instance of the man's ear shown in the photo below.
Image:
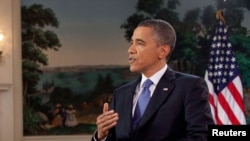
(164, 51)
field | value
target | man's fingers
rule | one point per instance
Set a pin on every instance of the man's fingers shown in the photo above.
(105, 107)
(107, 117)
(108, 121)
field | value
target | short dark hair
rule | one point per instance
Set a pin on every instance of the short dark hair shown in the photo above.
(163, 32)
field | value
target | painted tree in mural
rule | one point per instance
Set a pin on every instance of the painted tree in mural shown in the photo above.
(36, 38)
(195, 30)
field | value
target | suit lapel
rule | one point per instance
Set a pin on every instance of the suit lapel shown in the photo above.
(161, 93)
(129, 102)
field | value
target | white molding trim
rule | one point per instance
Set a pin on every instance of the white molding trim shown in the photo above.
(58, 138)
(4, 87)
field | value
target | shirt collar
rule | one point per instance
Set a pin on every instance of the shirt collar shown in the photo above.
(155, 78)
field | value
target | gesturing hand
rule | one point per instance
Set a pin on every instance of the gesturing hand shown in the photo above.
(106, 121)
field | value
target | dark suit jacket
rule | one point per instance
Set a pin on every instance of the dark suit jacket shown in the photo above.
(178, 110)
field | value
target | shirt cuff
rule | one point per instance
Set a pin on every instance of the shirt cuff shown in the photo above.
(95, 137)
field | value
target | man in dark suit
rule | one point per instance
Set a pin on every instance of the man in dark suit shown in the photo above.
(178, 108)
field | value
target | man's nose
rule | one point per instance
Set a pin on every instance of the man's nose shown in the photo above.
(131, 49)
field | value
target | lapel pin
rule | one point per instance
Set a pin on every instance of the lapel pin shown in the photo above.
(165, 89)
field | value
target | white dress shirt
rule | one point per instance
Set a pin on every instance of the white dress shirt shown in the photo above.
(154, 78)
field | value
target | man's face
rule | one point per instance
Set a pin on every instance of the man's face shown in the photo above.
(145, 55)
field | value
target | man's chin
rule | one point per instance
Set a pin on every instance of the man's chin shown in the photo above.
(133, 69)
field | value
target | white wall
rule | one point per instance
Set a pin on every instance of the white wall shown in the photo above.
(11, 78)
(10, 97)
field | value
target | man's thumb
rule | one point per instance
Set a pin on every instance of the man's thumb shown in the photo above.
(105, 107)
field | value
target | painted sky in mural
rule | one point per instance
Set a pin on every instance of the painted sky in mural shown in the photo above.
(90, 30)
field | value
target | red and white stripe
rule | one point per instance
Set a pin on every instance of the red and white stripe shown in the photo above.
(228, 106)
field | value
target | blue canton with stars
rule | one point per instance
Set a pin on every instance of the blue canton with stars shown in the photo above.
(222, 65)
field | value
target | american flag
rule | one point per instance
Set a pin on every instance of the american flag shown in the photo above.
(224, 82)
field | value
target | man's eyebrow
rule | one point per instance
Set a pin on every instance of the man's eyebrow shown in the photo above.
(139, 40)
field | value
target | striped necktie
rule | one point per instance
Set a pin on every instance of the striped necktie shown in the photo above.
(142, 102)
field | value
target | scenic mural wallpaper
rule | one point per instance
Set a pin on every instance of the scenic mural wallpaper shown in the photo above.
(74, 54)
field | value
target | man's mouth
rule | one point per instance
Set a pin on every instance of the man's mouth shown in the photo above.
(131, 60)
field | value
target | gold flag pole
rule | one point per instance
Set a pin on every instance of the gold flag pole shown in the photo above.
(219, 15)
